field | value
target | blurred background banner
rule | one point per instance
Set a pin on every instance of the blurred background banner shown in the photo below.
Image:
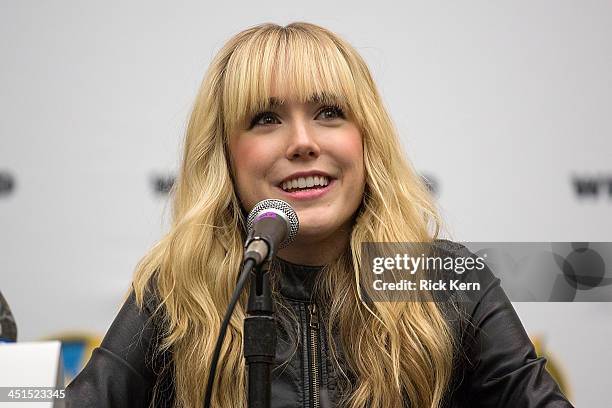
(503, 107)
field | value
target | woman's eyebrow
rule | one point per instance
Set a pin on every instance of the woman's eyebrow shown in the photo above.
(314, 98)
(323, 98)
(274, 102)
(320, 98)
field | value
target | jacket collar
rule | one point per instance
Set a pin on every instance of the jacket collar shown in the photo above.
(297, 281)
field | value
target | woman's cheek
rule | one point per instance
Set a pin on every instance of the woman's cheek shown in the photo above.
(352, 153)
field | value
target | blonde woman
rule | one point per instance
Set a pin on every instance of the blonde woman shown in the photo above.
(292, 113)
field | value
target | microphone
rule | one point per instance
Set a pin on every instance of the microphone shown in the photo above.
(8, 328)
(272, 224)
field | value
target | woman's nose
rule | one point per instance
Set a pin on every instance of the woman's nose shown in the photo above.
(302, 141)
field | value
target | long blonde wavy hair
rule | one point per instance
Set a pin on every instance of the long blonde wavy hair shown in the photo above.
(396, 350)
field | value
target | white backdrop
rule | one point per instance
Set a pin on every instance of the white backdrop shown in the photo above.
(503, 104)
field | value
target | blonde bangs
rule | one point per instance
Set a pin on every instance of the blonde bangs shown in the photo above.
(280, 65)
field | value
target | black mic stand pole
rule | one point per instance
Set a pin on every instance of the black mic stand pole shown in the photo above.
(260, 337)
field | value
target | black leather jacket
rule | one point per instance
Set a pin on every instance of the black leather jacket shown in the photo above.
(498, 366)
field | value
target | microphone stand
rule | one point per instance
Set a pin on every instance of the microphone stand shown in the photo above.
(260, 338)
(268, 228)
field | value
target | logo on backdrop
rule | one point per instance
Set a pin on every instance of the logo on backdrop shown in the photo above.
(76, 350)
(592, 186)
(7, 183)
(553, 365)
(162, 184)
(431, 182)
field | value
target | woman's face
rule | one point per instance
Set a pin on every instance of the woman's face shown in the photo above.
(281, 152)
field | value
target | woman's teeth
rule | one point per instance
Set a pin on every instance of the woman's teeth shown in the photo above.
(305, 182)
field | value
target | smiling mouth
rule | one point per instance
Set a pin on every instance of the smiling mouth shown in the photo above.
(305, 184)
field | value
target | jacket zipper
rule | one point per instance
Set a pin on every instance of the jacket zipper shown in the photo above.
(314, 331)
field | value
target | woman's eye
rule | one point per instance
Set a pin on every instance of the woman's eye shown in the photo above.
(331, 112)
(269, 118)
(265, 118)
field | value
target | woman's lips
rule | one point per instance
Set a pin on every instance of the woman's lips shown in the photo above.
(308, 194)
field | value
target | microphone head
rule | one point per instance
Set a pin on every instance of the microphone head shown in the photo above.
(284, 210)
(8, 328)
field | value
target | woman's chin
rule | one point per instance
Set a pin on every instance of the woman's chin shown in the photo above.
(314, 232)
